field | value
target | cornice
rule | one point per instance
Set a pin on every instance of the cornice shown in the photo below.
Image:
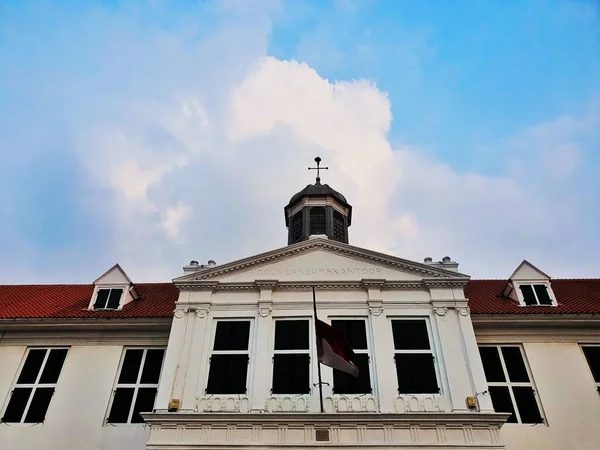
(193, 420)
(79, 324)
(315, 244)
(257, 285)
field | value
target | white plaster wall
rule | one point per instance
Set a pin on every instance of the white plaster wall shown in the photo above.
(569, 398)
(76, 413)
(195, 338)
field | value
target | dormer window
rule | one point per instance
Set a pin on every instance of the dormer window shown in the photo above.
(529, 286)
(535, 295)
(112, 291)
(108, 298)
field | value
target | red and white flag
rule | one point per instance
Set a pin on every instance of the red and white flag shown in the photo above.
(333, 349)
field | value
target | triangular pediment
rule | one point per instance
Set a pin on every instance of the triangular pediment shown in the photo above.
(319, 260)
(528, 272)
(114, 275)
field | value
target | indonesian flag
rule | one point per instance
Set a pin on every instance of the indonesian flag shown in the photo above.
(333, 349)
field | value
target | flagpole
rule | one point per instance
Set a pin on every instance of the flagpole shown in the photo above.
(318, 362)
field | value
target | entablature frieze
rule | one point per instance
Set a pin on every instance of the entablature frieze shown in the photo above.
(364, 284)
(352, 430)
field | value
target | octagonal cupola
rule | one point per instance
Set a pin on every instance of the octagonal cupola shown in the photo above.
(318, 210)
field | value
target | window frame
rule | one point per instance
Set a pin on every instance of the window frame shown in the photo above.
(532, 284)
(135, 385)
(596, 382)
(34, 386)
(314, 209)
(432, 350)
(509, 384)
(309, 352)
(110, 287)
(248, 351)
(367, 351)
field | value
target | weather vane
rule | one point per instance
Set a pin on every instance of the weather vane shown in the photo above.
(318, 169)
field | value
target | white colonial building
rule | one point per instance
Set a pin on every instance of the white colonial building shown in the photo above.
(224, 356)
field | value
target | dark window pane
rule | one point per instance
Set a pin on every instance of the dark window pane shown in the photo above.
(317, 220)
(114, 299)
(502, 402)
(542, 294)
(528, 295)
(354, 331)
(232, 335)
(291, 335)
(53, 365)
(410, 335)
(592, 354)
(152, 365)
(101, 298)
(16, 406)
(297, 227)
(338, 227)
(131, 366)
(39, 405)
(32, 366)
(344, 383)
(143, 403)
(513, 359)
(416, 373)
(528, 408)
(227, 374)
(291, 374)
(491, 364)
(119, 411)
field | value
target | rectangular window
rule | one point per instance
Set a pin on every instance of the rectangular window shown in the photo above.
(136, 386)
(413, 355)
(35, 386)
(592, 355)
(291, 358)
(228, 371)
(535, 294)
(354, 330)
(510, 384)
(108, 299)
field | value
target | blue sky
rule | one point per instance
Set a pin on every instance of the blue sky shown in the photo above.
(153, 133)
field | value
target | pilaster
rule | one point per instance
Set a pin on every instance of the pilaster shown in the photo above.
(172, 358)
(448, 307)
(259, 380)
(382, 360)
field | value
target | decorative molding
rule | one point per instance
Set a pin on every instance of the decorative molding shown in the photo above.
(463, 310)
(348, 430)
(440, 310)
(417, 403)
(322, 244)
(376, 310)
(179, 313)
(202, 312)
(351, 403)
(229, 404)
(299, 404)
(216, 286)
(264, 309)
(443, 283)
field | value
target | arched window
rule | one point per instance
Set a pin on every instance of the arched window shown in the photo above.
(339, 233)
(297, 227)
(317, 220)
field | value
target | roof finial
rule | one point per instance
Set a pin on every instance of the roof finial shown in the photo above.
(318, 169)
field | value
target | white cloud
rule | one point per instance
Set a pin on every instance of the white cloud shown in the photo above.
(198, 160)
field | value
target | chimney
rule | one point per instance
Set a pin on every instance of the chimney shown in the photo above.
(446, 263)
(194, 267)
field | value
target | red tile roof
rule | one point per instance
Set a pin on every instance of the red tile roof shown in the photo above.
(72, 301)
(574, 296)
